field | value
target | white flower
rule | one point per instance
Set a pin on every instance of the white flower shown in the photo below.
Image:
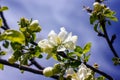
(83, 72)
(62, 41)
(70, 71)
(45, 46)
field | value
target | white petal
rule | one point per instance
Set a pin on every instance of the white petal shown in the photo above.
(52, 37)
(43, 43)
(61, 48)
(69, 45)
(70, 71)
(74, 39)
(68, 38)
(45, 46)
(52, 34)
(34, 22)
(62, 34)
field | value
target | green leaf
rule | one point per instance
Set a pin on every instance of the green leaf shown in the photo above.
(12, 59)
(16, 46)
(95, 27)
(6, 44)
(1, 22)
(17, 54)
(13, 36)
(92, 19)
(87, 58)
(101, 78)
(87, 47)
(113, 18)
(1, 66)
(33, 36)
(49, 56)
(78, 49)
(24, 59)
(2, 53)
(4, 8)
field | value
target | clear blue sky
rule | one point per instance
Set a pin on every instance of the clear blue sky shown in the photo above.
(53, 14)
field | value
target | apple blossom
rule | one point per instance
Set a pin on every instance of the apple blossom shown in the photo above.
(62, 41)
(82, 73)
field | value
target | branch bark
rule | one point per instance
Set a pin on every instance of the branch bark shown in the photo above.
(25, 68)
(33, 61)
(108, 40)
(4, 20)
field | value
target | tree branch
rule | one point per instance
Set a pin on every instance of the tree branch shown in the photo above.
(25, 68)
(4, 20)
(89, 66)
(108, 40)
(33, 61)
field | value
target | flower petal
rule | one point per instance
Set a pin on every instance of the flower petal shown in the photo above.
(62, 34)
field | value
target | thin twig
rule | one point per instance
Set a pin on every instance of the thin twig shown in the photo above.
(108, 40)
(33, 61)
(4, 20)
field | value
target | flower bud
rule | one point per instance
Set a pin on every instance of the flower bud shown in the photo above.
(96, 66)
(48, 71)
(34, 26)
(34, 23)
(96, 4)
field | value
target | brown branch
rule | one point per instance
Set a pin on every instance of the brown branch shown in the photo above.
(108, 40)
(4, 20)
(25, 68)
(34, 62)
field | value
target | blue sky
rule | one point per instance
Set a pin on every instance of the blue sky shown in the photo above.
(53, 14)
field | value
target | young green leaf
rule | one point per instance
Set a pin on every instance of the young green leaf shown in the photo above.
(6, 44)
(95, 27)
(78, 49)
(87, 47)
(4, 8)
(2, 53)
(101, 78)
(1, 22)
(113, 18)
(13, 36)
(87, 58)
(1, 66)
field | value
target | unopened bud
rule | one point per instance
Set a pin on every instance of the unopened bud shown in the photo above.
(48, 71)
(96, 65)
(96, 4)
